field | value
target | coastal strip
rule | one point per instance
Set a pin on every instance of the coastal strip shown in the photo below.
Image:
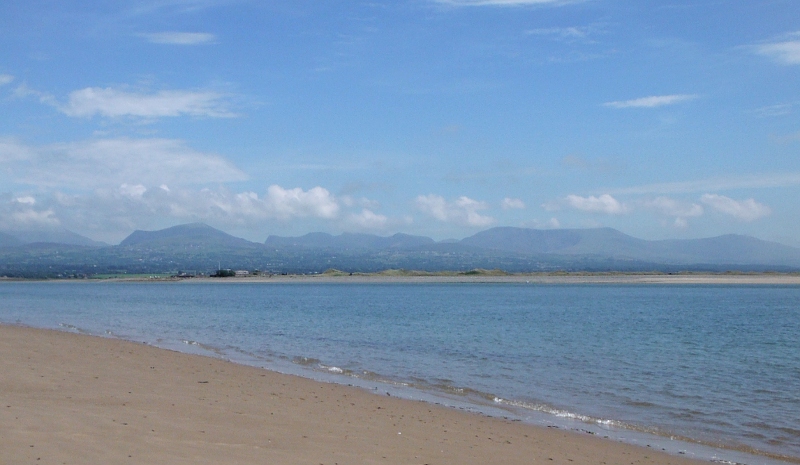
(70, 398)
(792, 279)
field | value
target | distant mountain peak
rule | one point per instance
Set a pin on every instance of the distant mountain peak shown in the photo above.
(191, 233)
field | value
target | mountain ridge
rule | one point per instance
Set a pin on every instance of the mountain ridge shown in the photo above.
(201, 248)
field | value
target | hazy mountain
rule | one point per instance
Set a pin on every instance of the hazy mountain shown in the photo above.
(7, 240)
(51, 236)
(199, 248)
(607, 242)
(194, 235)
(350, 241)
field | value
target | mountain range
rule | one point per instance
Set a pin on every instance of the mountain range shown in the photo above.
(201, 248)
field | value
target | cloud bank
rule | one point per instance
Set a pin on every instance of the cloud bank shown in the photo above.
(463, 211)
(111, 211)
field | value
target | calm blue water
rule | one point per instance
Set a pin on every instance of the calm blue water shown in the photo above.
(717, 365)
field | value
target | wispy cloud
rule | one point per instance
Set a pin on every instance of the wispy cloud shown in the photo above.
(6, 79)
(115, 103)
(105, 162)
(671, 207)
(786, 51)
(368, 220)
(568, 34)
(179, 38)
(504, 2)
(463, 211)
(561, 32)
(652, 101)
(769, 111)
(745, 210)
(552, 223)
(758, 181)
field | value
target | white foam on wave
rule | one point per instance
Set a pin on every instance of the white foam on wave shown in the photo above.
(564, 413)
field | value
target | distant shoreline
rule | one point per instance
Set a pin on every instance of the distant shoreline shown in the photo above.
(489, 277)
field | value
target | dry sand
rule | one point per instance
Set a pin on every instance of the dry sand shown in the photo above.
(74, 399)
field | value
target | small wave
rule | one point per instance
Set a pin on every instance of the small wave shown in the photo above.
(205, 347)
(332, 369)
(560, 413)
(74, 328)
(305, 361)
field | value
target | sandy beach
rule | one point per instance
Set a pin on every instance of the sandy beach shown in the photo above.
(72, 399)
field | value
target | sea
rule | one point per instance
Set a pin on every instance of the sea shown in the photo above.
(708, 371)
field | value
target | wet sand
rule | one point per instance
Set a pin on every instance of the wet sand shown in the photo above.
(73, 399)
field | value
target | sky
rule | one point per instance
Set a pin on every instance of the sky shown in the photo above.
(662, 119)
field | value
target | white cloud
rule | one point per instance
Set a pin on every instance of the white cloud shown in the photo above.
(112, 162)
(671, 207)
(463, 211)
(602, 204)
(786, 52)
(6, 79)
(180, 38)
(509, 204)
(652, 101)
(22, 213)
(27, 200)
(288, 203)
(135, 191)
(113, 103)
(745, 210)
(368, 220)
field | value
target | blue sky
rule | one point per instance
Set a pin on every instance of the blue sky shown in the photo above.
(663, 119)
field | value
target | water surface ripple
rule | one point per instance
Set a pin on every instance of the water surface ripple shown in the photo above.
(717, 365)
